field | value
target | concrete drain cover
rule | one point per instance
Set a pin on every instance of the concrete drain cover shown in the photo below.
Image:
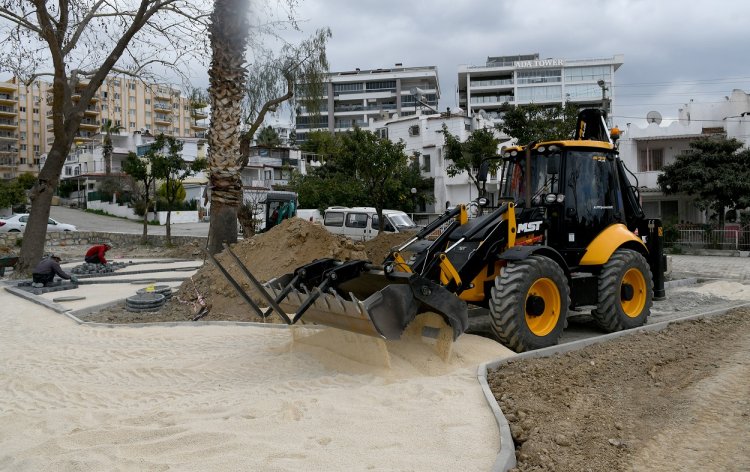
(145, 302)
(165, 290)
(71, 298)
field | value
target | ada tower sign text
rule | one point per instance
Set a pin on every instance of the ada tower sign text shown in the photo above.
(541, 63)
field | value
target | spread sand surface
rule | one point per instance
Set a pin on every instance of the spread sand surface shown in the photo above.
(232, 398)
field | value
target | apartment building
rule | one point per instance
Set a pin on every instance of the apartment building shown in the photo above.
(26, 112)
(525, 78)
(352, 98)
(646, 150)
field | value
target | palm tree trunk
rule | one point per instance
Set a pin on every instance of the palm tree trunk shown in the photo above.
(227, 75)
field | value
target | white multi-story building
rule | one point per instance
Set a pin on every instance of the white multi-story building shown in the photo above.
(525, 78)
(352, 98)
(423, 137)
(646, 150)
(26, 128)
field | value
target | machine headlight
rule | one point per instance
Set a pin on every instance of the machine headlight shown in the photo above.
(550, 198)
(560, 198)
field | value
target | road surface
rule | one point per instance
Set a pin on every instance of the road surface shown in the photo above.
(85, 221)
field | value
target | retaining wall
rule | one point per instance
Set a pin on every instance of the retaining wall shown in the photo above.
(74, 238)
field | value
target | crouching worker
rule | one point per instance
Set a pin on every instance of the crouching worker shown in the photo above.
(44, 273)
(95, 254)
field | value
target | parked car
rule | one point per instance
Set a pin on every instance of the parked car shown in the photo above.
(17, 224)
(361, 223)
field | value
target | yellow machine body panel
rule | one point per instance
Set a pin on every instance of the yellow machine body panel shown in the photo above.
(606, 243)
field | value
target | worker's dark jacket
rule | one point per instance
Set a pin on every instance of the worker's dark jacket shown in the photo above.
(50, 267)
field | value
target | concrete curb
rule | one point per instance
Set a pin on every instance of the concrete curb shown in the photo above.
(36, 299)
(506, 458)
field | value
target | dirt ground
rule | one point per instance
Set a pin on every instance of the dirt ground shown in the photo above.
(677, 400)
(674, 400)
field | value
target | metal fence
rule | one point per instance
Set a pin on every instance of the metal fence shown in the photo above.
(729, 239)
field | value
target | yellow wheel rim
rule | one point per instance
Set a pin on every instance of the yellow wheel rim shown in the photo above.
(544, 323)
(634, 306)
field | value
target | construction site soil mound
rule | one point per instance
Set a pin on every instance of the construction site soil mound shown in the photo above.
(284, 248)
(661, 401)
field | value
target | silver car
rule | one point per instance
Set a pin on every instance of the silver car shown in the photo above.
(17, 224)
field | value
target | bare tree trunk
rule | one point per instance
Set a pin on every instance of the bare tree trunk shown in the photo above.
(34, 238)
(144, 236)
(169, 226)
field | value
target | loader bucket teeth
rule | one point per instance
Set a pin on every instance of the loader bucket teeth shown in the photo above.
(385, 313)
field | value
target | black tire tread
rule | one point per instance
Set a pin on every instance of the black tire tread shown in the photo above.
(508, 295)
(608, 313)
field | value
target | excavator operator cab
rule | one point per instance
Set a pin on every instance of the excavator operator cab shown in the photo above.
(571, 187)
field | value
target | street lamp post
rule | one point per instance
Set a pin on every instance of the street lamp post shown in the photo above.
(78, 179)
(605, 101)
(414, 201)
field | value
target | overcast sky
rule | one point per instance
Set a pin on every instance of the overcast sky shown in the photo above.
(675, 50)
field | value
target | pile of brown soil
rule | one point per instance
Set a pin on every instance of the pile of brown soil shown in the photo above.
(285, 247)
(379, 247)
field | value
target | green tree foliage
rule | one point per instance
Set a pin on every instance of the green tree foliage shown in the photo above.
(26, 180)
(363, 170)
(168, 165)
(268, 137)
(139, 170)
(11, 193)
(108, 129)
(532, 122)
(479, 148)
(714, 170)
(323, 143)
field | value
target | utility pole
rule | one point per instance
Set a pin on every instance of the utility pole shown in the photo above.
(606, 102)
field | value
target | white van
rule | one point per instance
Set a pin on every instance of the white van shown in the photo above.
(361, 223)
(311, 215)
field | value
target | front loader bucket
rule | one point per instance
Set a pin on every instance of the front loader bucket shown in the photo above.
(353, 295)
(385, 313)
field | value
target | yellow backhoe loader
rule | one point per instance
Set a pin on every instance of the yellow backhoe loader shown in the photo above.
(569, 233)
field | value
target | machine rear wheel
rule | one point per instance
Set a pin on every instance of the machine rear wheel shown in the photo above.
(626, 292)
(529, 304)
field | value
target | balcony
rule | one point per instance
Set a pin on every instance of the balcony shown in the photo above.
(8, 124)
(162, 119)
(162, 107)
(89, 123)
(6, 136)
(199, 126)
(8, 99)
(162, 93)
(6, 87)
(7, 111)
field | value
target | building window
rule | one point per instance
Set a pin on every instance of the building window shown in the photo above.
(131, 99)
(347, 88)
(650, 160)
(148, 101)
(382, 133)
(104, 107)
(37, 136)
(22, 161)
(589, 73)
(23, 147)
(132, 124)
(414, 130)
(538, 76)
(131, 112)
(539, 94)
(131, 86)
(35, 111)
(36, 148)
(426, 163)
(117, 95)
(381, 85)
(22, 109)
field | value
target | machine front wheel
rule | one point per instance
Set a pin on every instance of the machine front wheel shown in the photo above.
(529, 304)
(626, 292)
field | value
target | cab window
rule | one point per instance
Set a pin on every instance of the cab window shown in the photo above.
(356, 220)
(334, 218)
